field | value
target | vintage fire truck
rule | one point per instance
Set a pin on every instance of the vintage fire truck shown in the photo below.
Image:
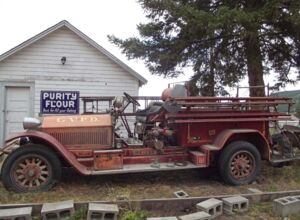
(180, 132)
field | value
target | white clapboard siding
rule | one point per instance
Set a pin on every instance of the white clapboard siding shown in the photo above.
(42, 59)
(87, 70)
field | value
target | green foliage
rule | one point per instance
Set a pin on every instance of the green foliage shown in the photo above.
(133, 215)
(297, 108)
(223, 41)
(295, 95)
(272, 188)
(297, 175)
(80, 214)
(258, 208)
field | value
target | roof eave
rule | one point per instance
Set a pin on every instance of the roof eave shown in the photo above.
(65, 23)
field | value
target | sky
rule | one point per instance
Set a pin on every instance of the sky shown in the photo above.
(21, 20)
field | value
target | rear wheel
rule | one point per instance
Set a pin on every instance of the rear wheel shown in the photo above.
(31, 168)
(239, 163)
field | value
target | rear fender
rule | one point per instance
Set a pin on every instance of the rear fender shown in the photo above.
(250, 135)
(46, 139)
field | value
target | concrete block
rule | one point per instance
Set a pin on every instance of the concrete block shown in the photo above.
(296, 197)
(100, 211)
(181, 194)
(212, 206)
(16, 213)
(58, 210)
(163, 218)
(235, 204)
(196, 216)
(286, 206)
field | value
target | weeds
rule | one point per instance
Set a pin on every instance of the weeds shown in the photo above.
(262, 208)
(133, 215)
(79, 214)
(272, 187)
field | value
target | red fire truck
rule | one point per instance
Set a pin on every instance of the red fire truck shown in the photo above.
(181, 132)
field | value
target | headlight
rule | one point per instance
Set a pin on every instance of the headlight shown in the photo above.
(31, 123)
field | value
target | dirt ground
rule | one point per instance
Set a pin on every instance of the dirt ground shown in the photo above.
(161, 185)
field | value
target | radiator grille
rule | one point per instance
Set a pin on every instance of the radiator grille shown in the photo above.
(90, 136)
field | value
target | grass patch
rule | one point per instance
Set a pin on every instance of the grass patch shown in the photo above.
(80, 214)
(297, 173)
(153, 185)
(272, 188)
(113, 193)
(265, 211)
(259, 208)
(133, 215)
(295, 217)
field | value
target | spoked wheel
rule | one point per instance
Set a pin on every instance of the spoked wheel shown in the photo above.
(31, 168)
(239, 163)
(242, 165)
(31, 171)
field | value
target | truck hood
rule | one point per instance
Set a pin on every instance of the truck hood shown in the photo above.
(76, 121)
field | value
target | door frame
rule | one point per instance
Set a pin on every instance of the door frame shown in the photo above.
(3, 88)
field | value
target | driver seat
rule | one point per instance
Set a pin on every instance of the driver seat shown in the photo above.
(153, 108)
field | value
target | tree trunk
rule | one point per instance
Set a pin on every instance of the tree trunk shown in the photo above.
(209, 88)
(254, 64)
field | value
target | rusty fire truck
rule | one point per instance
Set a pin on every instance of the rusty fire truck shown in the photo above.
(181, 132)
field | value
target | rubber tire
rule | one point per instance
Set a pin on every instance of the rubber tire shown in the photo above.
(224, 163)
(41, 150)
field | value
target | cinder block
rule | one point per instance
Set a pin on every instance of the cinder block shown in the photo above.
(235, 204)
(286, 206)
(296, 197)
(163, 218)
(196, 216)
(16, 213)
(57, 210)
(212, 206)
(181, 194)
(100, 211)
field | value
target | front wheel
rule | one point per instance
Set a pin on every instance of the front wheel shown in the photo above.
(31, 168)
(239, 163)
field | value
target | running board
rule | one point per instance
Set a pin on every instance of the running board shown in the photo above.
(285, 159)
(140, 168)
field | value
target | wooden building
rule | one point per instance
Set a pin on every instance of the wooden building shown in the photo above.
(61, 58)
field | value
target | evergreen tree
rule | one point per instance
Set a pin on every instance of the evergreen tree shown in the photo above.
(223, 41)
(297, 109)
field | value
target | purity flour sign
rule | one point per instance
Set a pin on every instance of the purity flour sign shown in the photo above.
(59, 102)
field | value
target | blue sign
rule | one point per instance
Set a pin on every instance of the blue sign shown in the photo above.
(59, 102)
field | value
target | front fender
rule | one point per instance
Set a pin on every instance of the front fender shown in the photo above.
(53, 143)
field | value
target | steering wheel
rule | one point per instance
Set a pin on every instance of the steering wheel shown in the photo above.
(131, 99)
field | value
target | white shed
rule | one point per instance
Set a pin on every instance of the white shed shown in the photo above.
(36, 65)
